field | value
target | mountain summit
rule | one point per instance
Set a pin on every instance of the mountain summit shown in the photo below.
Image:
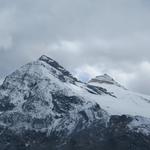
(43, 107)
(103, 79)
(58, 67)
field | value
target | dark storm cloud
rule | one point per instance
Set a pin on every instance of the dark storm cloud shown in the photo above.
(87, 36)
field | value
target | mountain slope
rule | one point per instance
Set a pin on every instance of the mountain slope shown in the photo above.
(125, 101)
(43, 107)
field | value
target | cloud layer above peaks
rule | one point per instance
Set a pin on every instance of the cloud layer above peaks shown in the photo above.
(89, 37)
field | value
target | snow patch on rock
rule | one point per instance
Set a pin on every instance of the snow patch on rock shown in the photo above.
(140, 124)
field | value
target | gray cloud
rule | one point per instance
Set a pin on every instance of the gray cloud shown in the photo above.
(141, 78)
(88, 37)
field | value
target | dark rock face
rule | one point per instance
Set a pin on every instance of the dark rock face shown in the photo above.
(100, 90)
(6, 105)
(116, 136)
(63, 104)
(28, 140)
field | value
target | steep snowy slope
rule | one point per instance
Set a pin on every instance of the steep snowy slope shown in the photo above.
(124, 102)
(43, 107)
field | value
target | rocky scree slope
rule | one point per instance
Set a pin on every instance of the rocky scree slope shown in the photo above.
(43, 107)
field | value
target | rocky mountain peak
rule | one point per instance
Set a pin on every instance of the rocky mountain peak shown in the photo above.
(51, 62)
(103, 79)
(64, 73)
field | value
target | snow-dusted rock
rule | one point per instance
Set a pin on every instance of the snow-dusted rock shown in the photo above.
(40, 96)
(42, 107)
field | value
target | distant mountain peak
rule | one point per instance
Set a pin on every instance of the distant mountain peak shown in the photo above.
(106, 79)
(103, 79)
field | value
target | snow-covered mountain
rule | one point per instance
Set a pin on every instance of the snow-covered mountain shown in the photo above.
(43, 107)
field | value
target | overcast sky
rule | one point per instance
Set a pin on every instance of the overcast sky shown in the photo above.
(88, 37)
